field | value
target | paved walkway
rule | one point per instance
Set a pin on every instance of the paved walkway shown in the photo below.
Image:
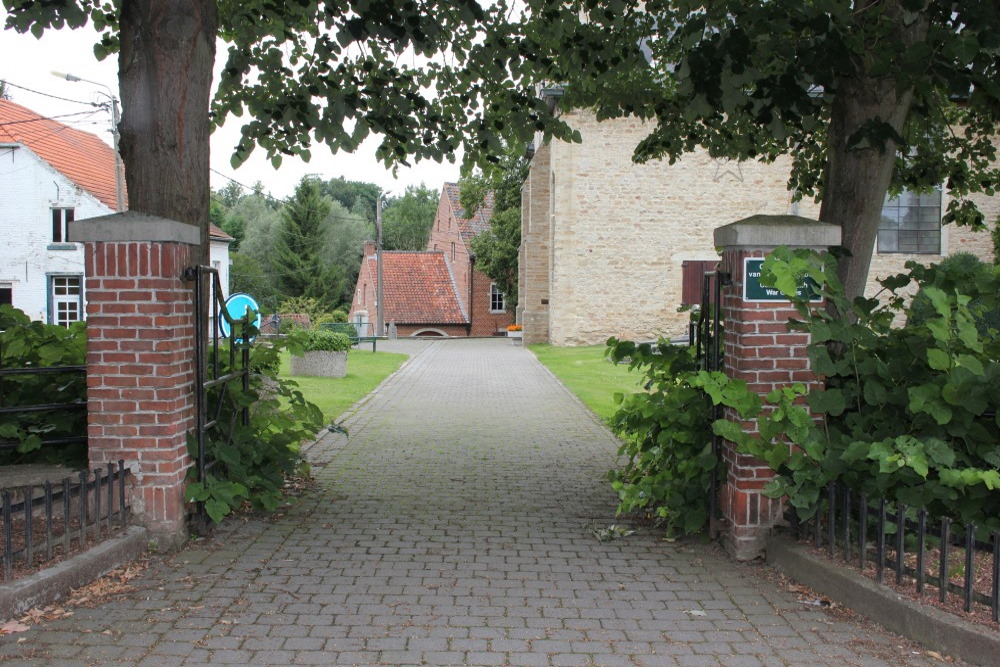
(452, 528)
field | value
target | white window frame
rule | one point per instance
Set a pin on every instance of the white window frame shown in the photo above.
(66, 215)
(63, 302)
(495, 295)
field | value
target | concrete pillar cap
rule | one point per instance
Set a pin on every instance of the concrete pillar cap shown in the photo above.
(771, 231)
(132, 226)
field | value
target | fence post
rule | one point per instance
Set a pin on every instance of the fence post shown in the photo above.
(760, 350)
(140, 359)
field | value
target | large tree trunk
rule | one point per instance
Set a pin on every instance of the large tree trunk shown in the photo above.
(856, 179)
(165, 71)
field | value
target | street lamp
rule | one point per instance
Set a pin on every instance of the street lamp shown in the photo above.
(379, 312)
(115, 119)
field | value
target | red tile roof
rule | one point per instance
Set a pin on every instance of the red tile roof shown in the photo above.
(216, 234)
(417, 288)
(80, 156)
(469, 228)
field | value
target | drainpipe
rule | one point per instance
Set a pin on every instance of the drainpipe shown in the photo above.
(472, 291)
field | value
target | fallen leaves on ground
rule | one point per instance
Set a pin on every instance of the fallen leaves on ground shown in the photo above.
(114, 583)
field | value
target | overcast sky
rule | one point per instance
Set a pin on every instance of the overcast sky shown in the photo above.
(28, 62)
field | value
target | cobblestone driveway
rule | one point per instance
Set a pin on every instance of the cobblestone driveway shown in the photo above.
(452, 528)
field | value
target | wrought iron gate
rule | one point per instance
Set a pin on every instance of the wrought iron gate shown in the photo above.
(219, 412)
(705, 334)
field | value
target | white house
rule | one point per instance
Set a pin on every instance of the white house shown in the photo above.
(51, 174)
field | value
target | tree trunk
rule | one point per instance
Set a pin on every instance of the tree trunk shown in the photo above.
(857, 178)
(165, 71)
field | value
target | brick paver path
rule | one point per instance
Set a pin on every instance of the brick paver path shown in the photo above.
(452, 528)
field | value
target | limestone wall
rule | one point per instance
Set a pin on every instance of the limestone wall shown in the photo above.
(604, 239)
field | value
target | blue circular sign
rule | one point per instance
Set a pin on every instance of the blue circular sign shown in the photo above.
(238, 305)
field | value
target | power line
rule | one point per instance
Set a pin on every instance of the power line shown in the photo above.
(55, 97)
(46, 118)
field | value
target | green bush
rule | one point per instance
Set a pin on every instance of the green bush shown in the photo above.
(667, 438)
(27, 344)
(908, 414)
(337, 316)
(320, 340)
(255, 460)
(963, 273)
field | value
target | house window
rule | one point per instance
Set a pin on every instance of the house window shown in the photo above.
(61, 217)
(693, 280)
(66, 299)
(6, 294)
(496, 299)
(911, 223)
(453, 251)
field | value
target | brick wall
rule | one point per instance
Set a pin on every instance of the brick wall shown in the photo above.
(484, 321)
(140, 372)
(761, 351)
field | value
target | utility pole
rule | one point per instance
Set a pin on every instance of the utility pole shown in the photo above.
(379, 312)
(115, 119)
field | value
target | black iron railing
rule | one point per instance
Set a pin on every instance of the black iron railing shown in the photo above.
(916, 548)
(44, 522)
(214, 376)
(705, 335)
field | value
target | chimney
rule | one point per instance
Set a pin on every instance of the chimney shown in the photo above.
(369, 248)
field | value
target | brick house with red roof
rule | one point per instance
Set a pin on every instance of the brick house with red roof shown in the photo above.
(418, 290)
(452, 234)
(437, 292)
(50, 175)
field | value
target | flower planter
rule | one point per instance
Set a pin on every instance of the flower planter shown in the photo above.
(514, 334)
(320, 364)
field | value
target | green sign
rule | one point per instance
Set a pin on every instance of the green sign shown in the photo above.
(754, 291)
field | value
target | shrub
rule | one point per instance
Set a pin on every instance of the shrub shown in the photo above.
(909, 412)
(320, 340)
(27, 344)
(966, 274)
(667, 438)
(254, 462)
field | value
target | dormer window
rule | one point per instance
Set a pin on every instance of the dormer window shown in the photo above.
(61, 217)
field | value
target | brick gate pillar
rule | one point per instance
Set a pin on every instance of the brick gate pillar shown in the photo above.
(140, 359)
(760, 350)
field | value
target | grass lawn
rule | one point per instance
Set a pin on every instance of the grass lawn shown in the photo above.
(588, 374)
(365, 371)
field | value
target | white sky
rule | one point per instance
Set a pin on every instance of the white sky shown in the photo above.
(28, 62)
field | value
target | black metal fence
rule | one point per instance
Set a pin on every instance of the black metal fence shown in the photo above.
(912, 547)
(705, 331)
(44, 522)
(218, 368)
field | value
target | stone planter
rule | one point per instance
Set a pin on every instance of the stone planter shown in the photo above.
(514, 334)
(320, 364)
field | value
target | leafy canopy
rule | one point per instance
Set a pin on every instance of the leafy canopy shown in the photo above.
(429, 78)
(755, 79)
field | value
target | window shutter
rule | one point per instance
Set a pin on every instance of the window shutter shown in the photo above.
(692, 280)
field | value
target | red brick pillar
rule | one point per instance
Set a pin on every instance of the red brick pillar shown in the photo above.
(760, 350)
(140, 359)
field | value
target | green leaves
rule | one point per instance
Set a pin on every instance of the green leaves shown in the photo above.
(25, 344)
(253, 461)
